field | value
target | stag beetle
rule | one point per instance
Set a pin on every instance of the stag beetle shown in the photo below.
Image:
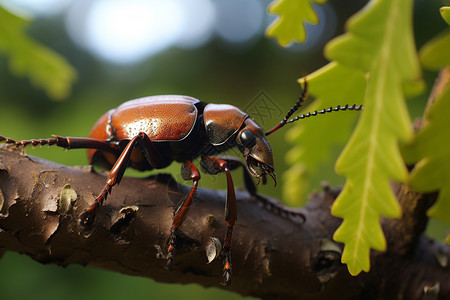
(152, 132)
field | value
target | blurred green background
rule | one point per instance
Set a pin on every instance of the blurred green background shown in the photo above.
(230, 61)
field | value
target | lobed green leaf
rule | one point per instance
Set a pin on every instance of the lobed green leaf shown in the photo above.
(288, 27)
(431, 147)
(379, 42)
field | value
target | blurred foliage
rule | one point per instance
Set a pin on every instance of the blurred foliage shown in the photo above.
(431, 147)
(445, 12)
(288, 28)
(435, 54)
(311, 148)
(77, 282)
(217, 72)
(45, 68)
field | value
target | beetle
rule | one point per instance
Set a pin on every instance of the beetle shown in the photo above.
(152, 132)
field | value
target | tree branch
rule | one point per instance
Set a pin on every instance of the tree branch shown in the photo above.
(273, 256)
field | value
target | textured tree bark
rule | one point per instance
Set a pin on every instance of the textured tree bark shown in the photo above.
(274, 257)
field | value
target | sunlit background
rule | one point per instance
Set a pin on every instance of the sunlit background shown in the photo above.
(124, 49)
(126, 32)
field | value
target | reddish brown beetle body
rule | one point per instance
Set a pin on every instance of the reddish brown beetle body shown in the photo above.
(152, 132)
(181, 128)
(164, 119)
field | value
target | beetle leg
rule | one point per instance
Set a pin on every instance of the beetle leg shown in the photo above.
(114, 177)
(151, 154)
(188, 172)
(214, 165)
(85, 143)
(64, 142)
(234, 163)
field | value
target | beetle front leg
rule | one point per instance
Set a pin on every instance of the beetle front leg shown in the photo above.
(234, 163)
(269, 204)
(213, 166)
(188, 172)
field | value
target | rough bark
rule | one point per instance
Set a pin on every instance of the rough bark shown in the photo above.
(274, 257)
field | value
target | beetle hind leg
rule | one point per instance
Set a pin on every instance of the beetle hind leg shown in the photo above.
(25, 143)
(63, 142)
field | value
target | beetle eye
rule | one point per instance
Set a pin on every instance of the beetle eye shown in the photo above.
(248, 139)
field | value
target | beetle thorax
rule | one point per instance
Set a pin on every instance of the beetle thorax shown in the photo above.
(222, 122)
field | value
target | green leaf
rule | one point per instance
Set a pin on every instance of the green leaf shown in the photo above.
(435, 53)
(316, 138)
(380, 43)
(45, 68)
(289, 27)
(445, 13)
(432, 150)
(431, 147)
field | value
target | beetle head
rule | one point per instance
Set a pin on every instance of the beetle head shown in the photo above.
(222, 122)
(252, 143)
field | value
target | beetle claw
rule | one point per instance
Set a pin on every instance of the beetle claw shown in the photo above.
(87, 218)
(171, 249)
(274, 177)
(227, 270)
(227, 276)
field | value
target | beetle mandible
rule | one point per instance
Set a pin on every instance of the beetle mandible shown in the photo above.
(152, 132)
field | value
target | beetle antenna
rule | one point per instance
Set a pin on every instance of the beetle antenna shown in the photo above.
(327, 110)
(293, 109)
(302, 99)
